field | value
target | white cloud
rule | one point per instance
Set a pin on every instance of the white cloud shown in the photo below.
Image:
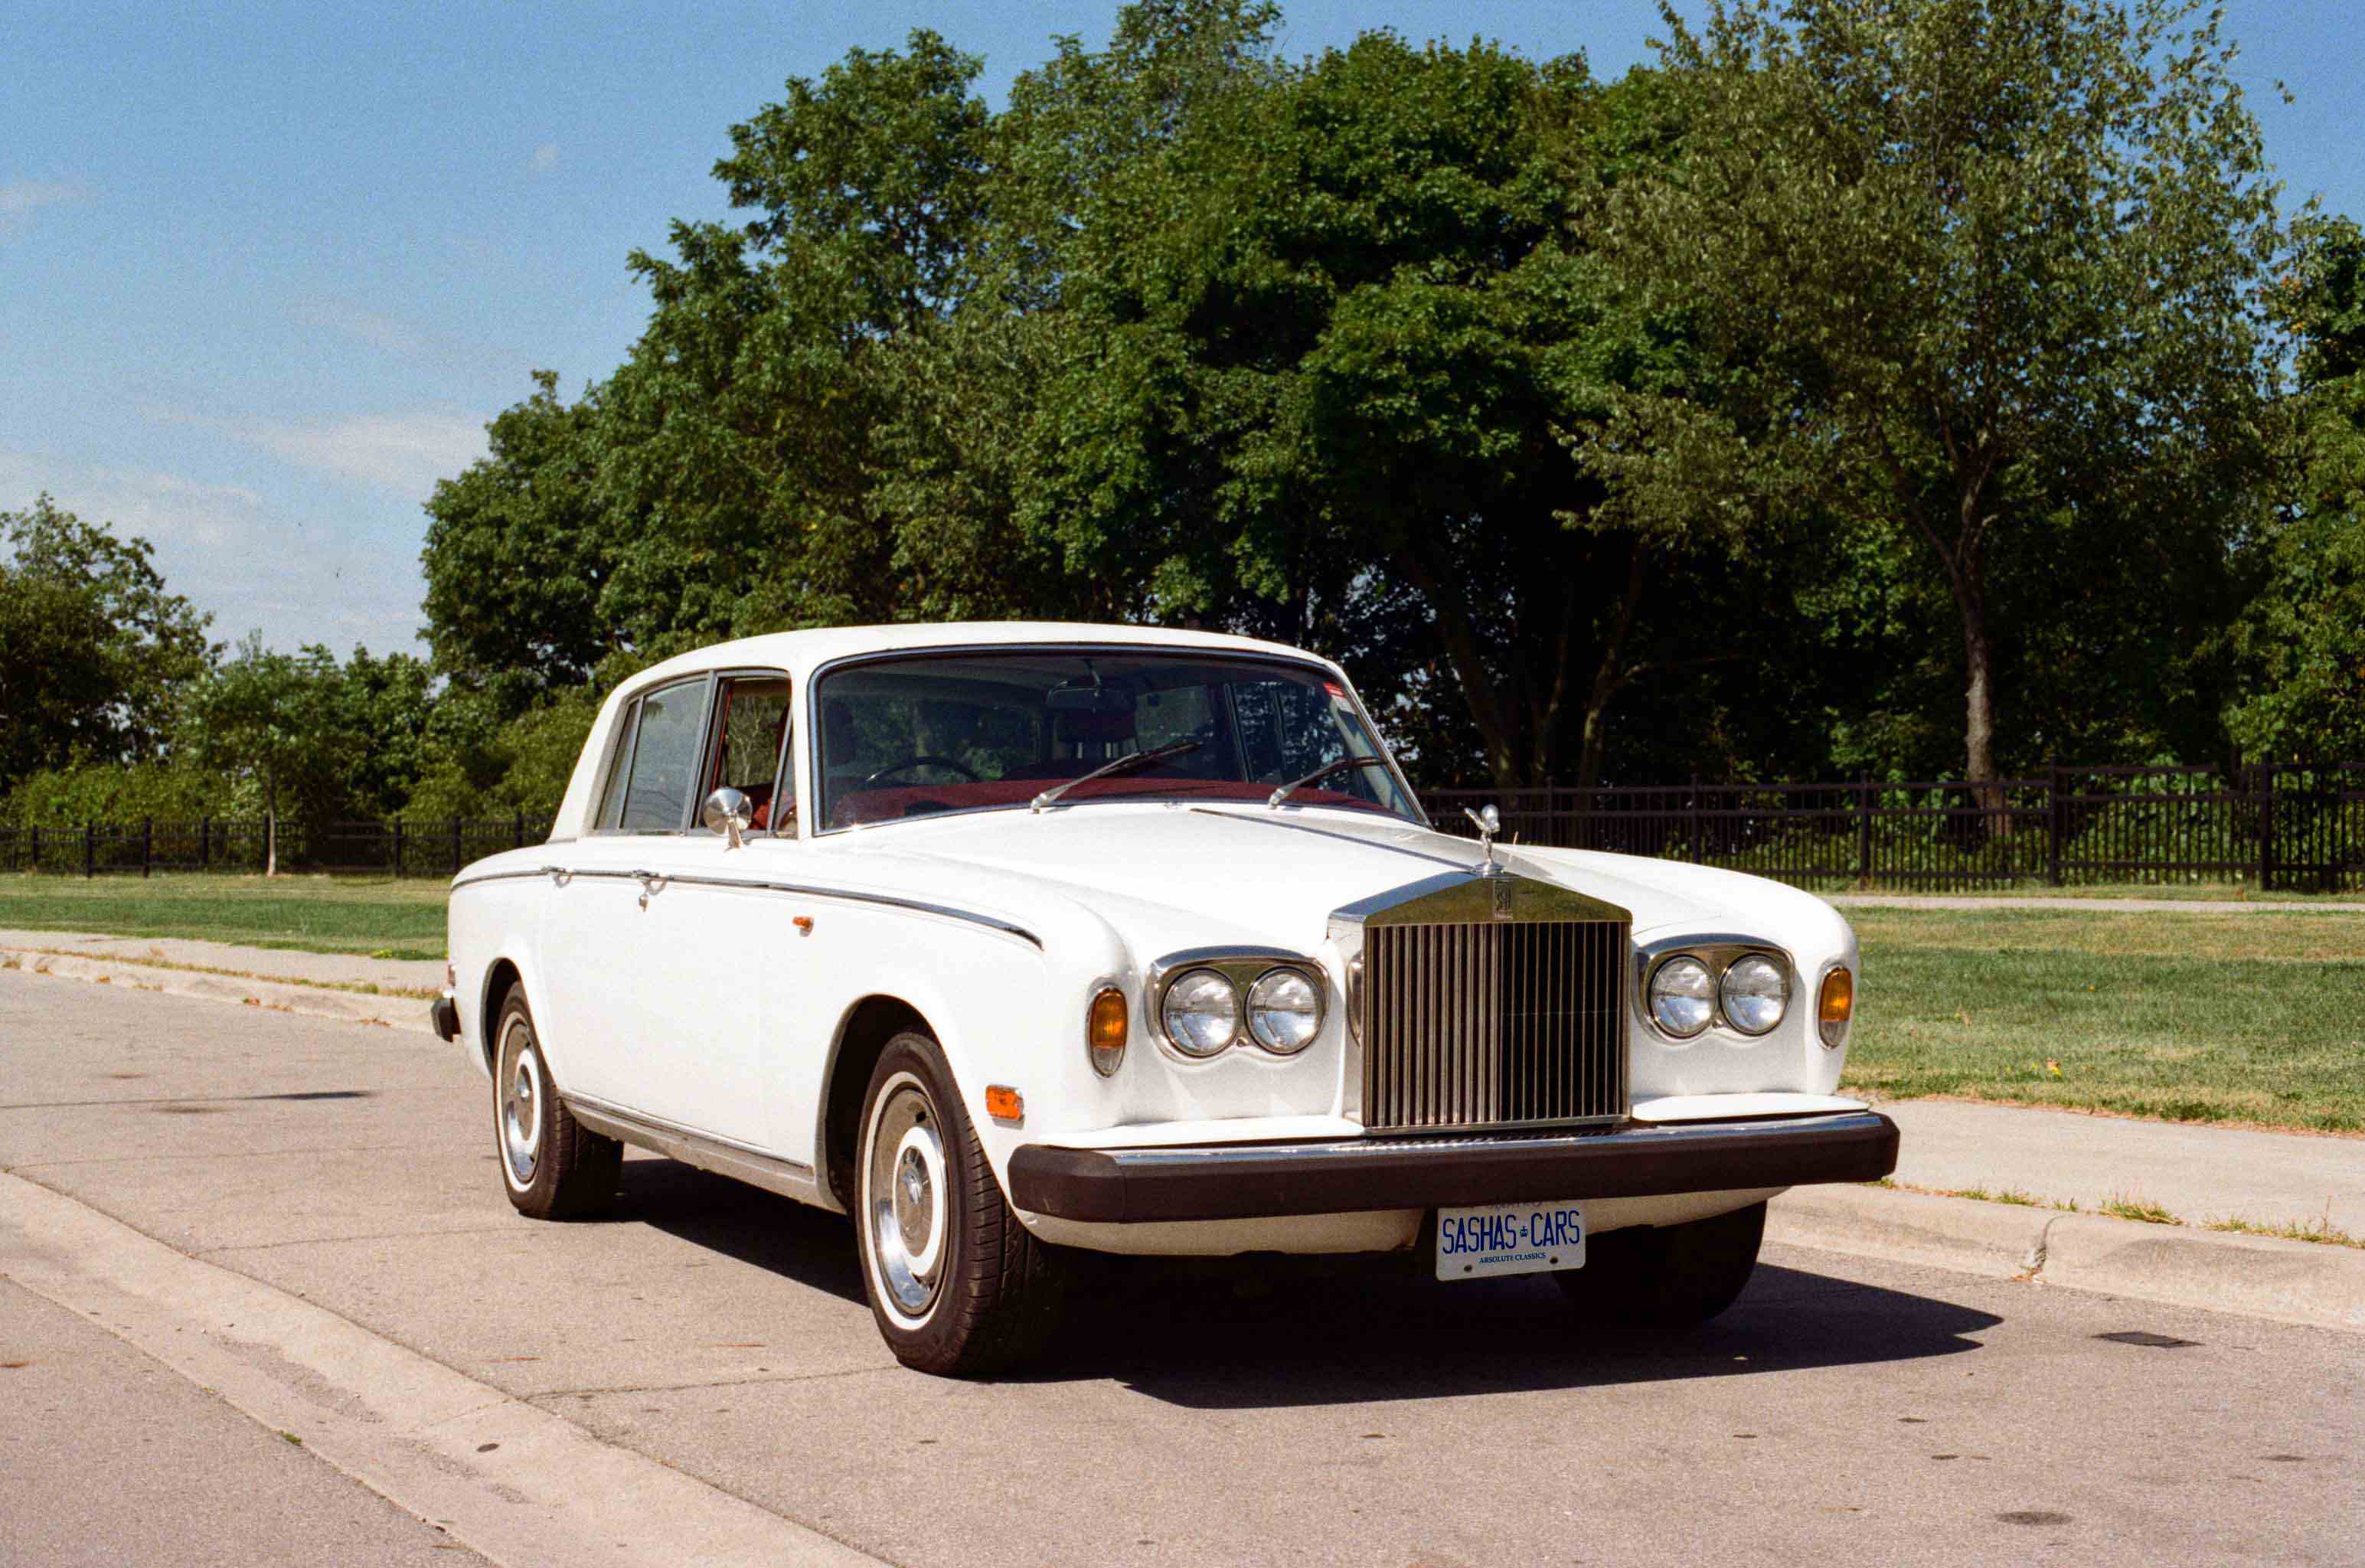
(19, 200)
(545, 158)
(241, 556)
(362, 326)
(403, 452)
(164, 508)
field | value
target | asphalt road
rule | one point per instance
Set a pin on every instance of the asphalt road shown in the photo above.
(1845, 1409)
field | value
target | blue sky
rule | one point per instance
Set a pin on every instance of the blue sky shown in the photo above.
(266, 270)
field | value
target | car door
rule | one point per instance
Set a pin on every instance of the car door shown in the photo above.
(652, 994)
(714, 930)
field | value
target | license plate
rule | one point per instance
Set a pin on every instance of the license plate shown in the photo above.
(1508, 1238)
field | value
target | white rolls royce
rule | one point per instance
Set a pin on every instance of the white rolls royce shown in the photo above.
(1012, 941)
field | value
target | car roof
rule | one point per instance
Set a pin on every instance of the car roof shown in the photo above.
(801, 653)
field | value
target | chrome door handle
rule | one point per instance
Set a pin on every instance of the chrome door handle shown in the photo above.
(560, 874)
(651, 882)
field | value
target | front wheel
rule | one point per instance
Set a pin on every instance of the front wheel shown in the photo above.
(551, 1165)
(957, 1285)
(1669, 1275)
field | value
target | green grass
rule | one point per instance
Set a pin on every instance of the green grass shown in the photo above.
(320, 915)
(2251, 1017)
(2322, 1230)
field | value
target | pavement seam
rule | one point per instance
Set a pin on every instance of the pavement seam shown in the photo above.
(203, 1252)
(719, 1382)
(410, 1427)
(338, 1149)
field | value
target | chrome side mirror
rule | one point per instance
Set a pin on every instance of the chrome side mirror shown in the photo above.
(728, 814)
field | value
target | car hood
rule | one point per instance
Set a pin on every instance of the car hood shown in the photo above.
(1246, 873)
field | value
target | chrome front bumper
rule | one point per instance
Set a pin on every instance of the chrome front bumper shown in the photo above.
(1256, 1180)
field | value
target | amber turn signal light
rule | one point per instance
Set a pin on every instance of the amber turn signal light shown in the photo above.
(1104, 1032)
(1836, 1006)
(1004, 1103)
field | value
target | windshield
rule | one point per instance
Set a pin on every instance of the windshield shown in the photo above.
(957, 731)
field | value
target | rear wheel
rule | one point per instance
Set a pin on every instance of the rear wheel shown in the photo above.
(551, 1165)
(957, 1284)
(1668, 1275)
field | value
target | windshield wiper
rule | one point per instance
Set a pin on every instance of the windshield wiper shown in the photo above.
(1273, 802)
(1110, 770)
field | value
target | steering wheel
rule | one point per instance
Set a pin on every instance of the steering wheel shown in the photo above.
(963, 768)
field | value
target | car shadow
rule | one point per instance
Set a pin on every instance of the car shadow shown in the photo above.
(1389, 1335)
(777, 1235)
(1251, 1333)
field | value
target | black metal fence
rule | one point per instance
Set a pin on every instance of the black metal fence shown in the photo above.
(399, 847)
(2275, 826)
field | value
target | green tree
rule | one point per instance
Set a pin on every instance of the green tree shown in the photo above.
(1973, 269)
(517, 550)
(1332, 339)
(273, 720)
(94, 651)
(2302, 638)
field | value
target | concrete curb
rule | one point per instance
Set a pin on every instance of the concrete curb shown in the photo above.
(405, 1013)
(2261, 1276)
(516, 1483)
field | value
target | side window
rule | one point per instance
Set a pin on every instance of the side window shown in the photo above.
(747, 750)
(611, 798)
(665, 758)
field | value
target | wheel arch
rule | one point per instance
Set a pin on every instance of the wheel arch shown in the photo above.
(501, 977)
(863, 1031)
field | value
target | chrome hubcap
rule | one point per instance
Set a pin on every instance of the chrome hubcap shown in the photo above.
(904, 1197)
(521, 1108)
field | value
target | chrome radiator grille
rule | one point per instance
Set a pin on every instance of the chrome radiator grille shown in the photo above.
(1500, 1023)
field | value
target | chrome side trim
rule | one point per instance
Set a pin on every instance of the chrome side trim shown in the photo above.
(724, 1157)
(889, 901)
(749, 884)
(459, 882)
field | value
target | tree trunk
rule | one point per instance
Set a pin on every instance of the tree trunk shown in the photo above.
(270, 843)
(1461, 652)
(1608, 676)
(1979, 691)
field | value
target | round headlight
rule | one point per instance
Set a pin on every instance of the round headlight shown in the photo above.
(1683, 998)
(1756, 993)
(1201, 1013)
(1284, 1010)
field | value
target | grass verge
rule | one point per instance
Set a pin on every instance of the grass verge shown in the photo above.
(376, 917)
(2247, 1017)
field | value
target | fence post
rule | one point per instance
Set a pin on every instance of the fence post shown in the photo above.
(89, 850)
(1692, 820)
(520, 843)
(398, 848)
(205, 843)
(36, 849)
(2054, 823)
(2265, 826)
(455, 847)
(147, 847)
(1864, 830)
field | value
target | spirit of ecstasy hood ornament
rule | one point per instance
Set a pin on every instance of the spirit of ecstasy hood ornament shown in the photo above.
(1490, 822)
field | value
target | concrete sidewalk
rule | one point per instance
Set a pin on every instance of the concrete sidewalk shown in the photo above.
(267, 963)
(2197, 1173)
